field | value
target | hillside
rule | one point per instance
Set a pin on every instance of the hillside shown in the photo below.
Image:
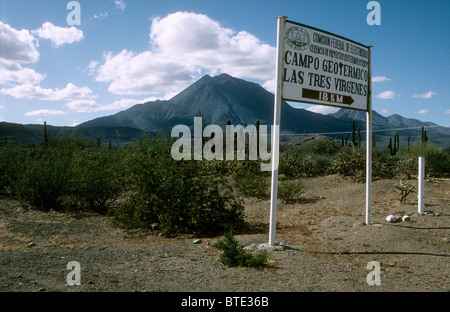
(219, 99)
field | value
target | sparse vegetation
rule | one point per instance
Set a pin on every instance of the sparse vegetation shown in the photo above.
(289, 191)
(405, 188)
(234, 255)
(185, 196)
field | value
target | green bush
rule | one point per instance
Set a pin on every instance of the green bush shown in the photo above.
(175, 194)
(251, 184)
(349, 162)
(234, 255)
(437, 160)
(12, 161)
(97, 179)
(384, 166)
(289, 191)
(44, 183)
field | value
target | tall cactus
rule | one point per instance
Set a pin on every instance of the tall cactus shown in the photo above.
(45, 134)
(393, 148)
(353, 133)
(424, 136)
(359, 137)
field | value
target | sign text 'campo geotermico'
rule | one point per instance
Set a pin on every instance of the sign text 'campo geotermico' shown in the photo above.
(322, 68)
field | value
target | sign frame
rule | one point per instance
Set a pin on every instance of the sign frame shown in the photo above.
(279, 97)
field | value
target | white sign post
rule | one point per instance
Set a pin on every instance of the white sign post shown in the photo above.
(317, 67)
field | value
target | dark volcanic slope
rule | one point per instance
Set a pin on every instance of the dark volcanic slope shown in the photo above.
(219, 99)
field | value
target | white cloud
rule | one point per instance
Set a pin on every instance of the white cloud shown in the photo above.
(185, 46)
(422, 111)
(427, 95)
(83, 105)
(120, 5)
(324, 110)
(384, 111)
(380, 79)
(17, 45)
(13, 72)
(59, 35)
(101, 15)
(447, 112)
(33, 92)
(386, 95)
(45, 112)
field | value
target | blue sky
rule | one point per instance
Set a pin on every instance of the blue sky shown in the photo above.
(126, 52)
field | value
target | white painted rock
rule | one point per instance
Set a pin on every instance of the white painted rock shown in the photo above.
(406, 218)
(392, 219)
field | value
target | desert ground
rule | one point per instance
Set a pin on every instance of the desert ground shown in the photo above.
(332, 247)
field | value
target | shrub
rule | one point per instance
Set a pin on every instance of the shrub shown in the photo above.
(175, 194)
(437, 160)
(384, 166)
(289, 191)
(97, 179)
(405, 188)
(12, 162)
(349, 162)
(44, 182)
(233, 254)
(251, 184)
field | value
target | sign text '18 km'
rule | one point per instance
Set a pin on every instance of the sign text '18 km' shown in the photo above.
(323, 68)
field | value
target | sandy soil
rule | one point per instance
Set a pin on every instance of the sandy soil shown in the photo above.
(333, 252)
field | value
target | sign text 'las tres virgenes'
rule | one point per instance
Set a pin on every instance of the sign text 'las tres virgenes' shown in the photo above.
(322, 68)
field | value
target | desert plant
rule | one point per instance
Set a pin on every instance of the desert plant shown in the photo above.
(97, 179)
(348, 162)
(252, 184)
(289, 191)
(405, 188)
(175, 194)
(234, 255)
(45, 179)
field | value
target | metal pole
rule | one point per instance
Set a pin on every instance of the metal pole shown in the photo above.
(421, 184)
(369, 147)
(276, 129)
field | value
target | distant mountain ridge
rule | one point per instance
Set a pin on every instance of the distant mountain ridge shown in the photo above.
(218, 99)
(221, 98)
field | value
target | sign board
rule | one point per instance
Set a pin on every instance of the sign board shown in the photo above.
(323, 68)
(317, 67)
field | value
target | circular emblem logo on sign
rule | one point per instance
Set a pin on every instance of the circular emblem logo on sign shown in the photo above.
(297, 38)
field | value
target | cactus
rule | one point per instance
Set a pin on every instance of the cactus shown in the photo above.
(405, 189)
(424, 136)
(359, 137)
(393, 148)
(353, 133)
(45, 134)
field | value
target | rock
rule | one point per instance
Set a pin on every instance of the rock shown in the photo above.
(392, 219)
(278, 246)
(154, 226)
(197, 241)
(447, 239)
(406, 218)
(32, 244)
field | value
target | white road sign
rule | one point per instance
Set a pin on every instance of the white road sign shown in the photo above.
(323, 68)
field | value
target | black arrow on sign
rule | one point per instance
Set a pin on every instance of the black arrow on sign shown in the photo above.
(327, 96)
